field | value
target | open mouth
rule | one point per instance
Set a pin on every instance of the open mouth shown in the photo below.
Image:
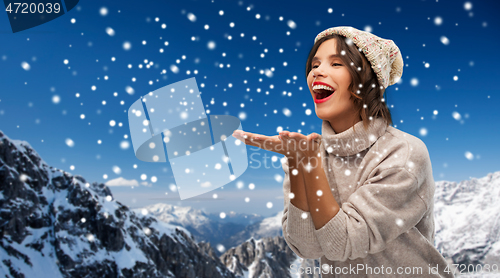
(322, 91)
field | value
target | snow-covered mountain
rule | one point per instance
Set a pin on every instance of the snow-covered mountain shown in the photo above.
(237, 218)
(268, 227)
(467, 217)
(467, 229)
(53, 224)
(268, 257)
(204, 227)
(210, 228)
(188, 216)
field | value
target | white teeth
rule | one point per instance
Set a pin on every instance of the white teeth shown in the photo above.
(316, 87)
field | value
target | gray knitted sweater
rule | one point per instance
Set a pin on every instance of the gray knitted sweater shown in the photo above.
(382, 180)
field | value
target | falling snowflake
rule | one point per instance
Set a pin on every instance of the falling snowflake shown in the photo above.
(423, 131)
(221, 248)
(103, 11)
(445, 40)
(90, 237)
(70, 142)
(211, 45)
(117, 170)
(56, 99)
(127, 46)
(129, 90)
(191, 17)
(23, 177)
(110, 31)
(399, 222)
(240, 184)
(414, 82)
(469, 155)
(124, 144)
(25, 66)
(174, 69)
(438, 20)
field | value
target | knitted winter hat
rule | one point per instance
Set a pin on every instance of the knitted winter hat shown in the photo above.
(384, 55)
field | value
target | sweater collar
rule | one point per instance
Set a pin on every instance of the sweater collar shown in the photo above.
(349, 143)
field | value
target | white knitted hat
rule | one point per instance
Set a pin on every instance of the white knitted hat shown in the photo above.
(384, 55)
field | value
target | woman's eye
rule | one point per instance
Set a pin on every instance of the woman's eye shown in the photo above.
(336, 64)
(314, 66)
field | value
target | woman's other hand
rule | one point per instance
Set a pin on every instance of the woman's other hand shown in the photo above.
(306, 146)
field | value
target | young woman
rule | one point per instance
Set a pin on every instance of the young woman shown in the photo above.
(360, 196)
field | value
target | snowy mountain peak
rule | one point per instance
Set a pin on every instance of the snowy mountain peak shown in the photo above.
(467, 219)
(54, 224)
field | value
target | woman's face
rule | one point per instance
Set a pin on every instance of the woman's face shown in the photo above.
(328, 82)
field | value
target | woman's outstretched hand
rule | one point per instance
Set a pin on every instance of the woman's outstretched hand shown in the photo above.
(268, 143)
(290, 144)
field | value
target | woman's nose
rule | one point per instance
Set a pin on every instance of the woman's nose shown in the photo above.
(317, 72)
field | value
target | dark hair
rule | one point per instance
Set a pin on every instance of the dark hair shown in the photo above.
(364, 88)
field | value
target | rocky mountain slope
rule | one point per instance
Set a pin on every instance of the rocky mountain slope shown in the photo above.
(268, 227)
(468, 220)
(202, 226)
(53, 224)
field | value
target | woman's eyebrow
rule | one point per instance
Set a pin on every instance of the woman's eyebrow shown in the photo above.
(329, 57)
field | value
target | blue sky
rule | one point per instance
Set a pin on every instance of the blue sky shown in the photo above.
(228, 46)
